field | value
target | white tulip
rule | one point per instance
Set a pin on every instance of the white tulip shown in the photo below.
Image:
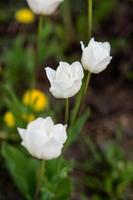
(96, 56)
(44, 7)
(43, 139)
(66, 81)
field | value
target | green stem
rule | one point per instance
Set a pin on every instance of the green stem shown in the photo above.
(77, 105)
(89, 33)
(66, 111)
(40, 28)
(83, 91)
(39, 180)
(67, 18)
(90, 18)
(9, 137)
(86, 85)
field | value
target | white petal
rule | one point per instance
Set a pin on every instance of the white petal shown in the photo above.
(35, 140)
(51, 150)
(88, 59)
(59, 133)
(91, 42)
(47, 125)
(35, 124)
(63, 68)
(99, 53)
(64, 64)
(107, 46)
(56, 92)
(77, 70)
(21, 132)
(50, 74)
(102, 65)
(58, 87)
(73, 90)
(82, 45)
(44, 7)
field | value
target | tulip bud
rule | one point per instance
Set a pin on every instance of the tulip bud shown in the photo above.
(96, 56)
(43, 139)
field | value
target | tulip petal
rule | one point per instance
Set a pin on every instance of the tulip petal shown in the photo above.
(21, 132)
(35, 124)
(77, 70)
(62, 70)
(44, 7)
(50, 74)
(82, 45)
(91, 42)
(59, 133)
(47, 125)
(73, 90)
(102, 65)
(51, 150)
(88, 59)
(107, 46)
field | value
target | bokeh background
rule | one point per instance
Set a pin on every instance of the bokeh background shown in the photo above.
(108, 135)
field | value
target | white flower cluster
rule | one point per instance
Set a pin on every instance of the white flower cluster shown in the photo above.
(66, 81)
(42, 138)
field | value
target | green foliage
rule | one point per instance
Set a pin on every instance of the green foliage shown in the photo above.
(76, 128)
(57, 185)
(102, 10)
(22, 169)
(108, 173)
(51, 42)
(15, 105)
(19, 65)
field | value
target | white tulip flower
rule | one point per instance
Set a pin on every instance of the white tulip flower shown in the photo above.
(43, 139)
(43, 7)
(96, 56)
(66, 81)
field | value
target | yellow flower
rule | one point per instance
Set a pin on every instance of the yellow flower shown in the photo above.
(28, 117)
(25, 16)
(9, 119)
(35, 99)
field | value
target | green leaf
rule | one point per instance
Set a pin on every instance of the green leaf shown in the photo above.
(22, 169)
(77, 127)
(56, 190)
(56, 183)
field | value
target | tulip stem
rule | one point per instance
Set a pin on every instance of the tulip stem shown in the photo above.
(90, 18)
(77, 105)
(40, 27)
(67, 17)
(66, 111)
(83, 91)
(86, 85)
(89, 33)
(9, 137)
(39, 180)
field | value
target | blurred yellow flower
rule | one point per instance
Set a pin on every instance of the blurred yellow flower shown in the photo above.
(9, 119)
(24, 16)
(36, 99)
(28, 117)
